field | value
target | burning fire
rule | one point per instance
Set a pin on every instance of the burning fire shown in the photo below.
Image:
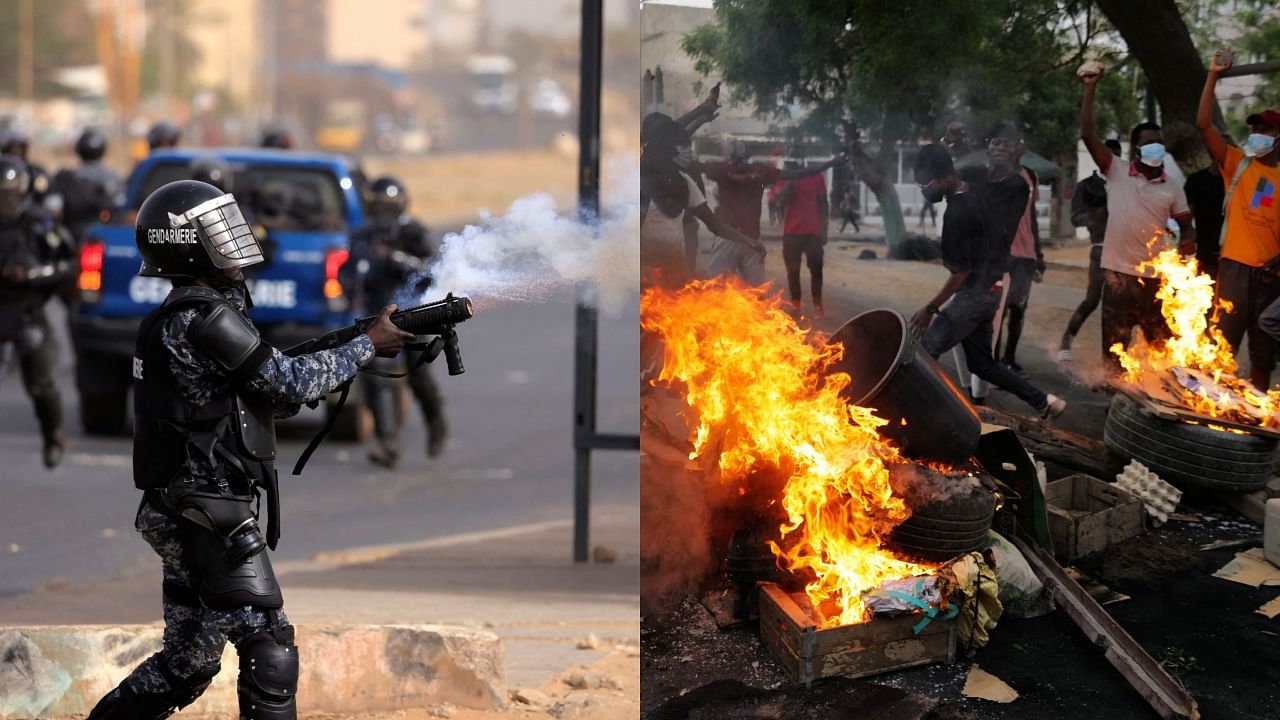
(756, 382)
(1195, 365)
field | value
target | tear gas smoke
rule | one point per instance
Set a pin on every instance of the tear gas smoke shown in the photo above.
(534, 253)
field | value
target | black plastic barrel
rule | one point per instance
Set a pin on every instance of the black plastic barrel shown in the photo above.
(894, 376)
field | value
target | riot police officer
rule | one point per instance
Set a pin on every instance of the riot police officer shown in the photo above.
(35, 257)
(90, 189)
(206, 390)
(16, 143)
(389, 257)
(163, 135)
(277, 137)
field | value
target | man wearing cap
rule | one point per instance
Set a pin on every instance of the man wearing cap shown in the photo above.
(1141, 198)
(1249, 269)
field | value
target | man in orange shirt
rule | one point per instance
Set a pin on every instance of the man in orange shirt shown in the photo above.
(1248, 271)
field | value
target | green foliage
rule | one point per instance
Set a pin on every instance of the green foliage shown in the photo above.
(905, 69)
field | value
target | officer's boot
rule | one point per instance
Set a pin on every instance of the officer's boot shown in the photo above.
(436, 433)
(386, 453)
(49, 413)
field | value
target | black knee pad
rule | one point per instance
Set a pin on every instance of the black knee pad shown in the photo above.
(268, 676)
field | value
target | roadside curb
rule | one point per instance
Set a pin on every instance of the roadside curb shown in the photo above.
(57, 671)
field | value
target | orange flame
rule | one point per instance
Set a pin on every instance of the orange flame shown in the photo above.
(1196, 363)
(757, 383)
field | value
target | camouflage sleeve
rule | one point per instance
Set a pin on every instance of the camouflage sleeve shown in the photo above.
(199, 378)
(293, 380)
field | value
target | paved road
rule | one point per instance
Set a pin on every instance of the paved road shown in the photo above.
(509, 461)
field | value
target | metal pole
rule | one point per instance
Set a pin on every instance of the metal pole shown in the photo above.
(585, 359)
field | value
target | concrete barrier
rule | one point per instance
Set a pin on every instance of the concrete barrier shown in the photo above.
(60, 671)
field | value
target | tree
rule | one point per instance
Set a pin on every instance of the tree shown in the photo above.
(870, 78)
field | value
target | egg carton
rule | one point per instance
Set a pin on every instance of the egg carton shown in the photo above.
(1157, 496)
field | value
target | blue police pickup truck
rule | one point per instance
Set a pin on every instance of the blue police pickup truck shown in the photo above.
(303, 207)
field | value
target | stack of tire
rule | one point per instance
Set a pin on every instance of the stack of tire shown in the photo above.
(941, 528)
(1189, 456)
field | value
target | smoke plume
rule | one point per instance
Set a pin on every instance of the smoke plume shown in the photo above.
(534, 253)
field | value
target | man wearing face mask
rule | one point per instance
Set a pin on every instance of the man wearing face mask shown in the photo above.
(1250, 261)
(1141, 197)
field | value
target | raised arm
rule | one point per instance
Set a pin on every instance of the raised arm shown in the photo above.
(1213, 140)
(1097, 150)
(802, 172)
(723, 229)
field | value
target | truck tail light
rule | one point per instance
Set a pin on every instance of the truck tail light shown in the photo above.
(90, 282)
(334, 259)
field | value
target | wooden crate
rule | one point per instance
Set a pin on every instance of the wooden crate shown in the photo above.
(807, 652)
(1087, 515)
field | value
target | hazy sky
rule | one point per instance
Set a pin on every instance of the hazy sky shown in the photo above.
(539, 16)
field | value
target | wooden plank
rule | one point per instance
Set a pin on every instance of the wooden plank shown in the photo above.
(1056, 445)
(1251, 505)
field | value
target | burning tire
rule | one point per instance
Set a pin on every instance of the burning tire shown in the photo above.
(942, 528)
(1188, 455)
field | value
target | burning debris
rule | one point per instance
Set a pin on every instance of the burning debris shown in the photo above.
(766, 411)
(1195, 366)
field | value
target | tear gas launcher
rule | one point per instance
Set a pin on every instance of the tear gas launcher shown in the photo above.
(434, 318)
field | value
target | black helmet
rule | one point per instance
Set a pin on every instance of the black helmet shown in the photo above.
(212, 170)
(387, 197)
(192, 229)
(14, 142)
(92, 144)
(164, 134)
(277, 137)
(15, 181)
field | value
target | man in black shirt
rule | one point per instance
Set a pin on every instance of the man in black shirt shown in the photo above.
(975, 250)
(1205, 194)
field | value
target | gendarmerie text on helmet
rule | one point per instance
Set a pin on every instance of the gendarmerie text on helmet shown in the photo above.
(172, 236)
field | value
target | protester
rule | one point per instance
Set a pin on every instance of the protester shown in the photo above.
(926, 208)
(1140, 202)
(1026, 264)
(804, 230)
(849, 207)
(1205, 195)
(1007, 193)
(964, 310)
(666, 195)
(956, 140)
(1089, 210)
(741, 186)
(1247, 271)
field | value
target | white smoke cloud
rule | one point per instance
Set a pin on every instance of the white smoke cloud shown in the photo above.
(534, 252)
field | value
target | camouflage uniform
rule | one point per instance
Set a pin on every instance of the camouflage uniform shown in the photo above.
(194, 636)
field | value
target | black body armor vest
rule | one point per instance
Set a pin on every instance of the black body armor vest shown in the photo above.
(234, 434)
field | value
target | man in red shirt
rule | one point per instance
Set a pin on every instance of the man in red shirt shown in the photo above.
(804, 229)
(742, 184)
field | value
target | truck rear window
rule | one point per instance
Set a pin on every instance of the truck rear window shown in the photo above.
(278, 197)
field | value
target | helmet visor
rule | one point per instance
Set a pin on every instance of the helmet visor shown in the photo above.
(224, 232)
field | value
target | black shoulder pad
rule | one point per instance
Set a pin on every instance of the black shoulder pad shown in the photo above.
(226, 337)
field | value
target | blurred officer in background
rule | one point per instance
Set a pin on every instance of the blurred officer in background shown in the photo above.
(163, 135)
(16, 143)
(277, 137)
(35, 259)
(390, 255)
(91, 190)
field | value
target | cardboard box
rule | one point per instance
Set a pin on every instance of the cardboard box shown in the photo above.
(1087, 515)
(807, 652)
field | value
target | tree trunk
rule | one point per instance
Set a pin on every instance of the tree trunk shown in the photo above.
(1060, 227)
(1159, 39)
(895, 228)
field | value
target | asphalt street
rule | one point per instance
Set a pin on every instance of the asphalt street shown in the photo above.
(508, 464)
